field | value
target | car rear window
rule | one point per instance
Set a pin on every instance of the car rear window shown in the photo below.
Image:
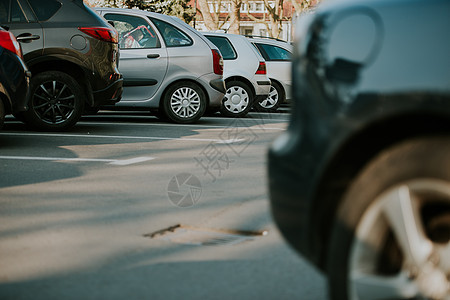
(273, 53)
(173, 37)
(224, 45)
(44, 9)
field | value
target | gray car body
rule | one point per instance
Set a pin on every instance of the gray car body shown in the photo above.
(187, 63)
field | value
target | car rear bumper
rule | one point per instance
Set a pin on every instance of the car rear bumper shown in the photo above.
(110, 95)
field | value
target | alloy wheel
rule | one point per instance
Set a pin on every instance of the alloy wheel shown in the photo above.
(402, 244)
(53, 102)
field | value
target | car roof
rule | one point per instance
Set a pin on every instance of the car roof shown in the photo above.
(271, 41)
(166, 18)
(235, 38)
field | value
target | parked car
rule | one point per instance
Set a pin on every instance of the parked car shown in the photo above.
(245, 73)
(14, 76)
(360, 182)
(278, 57)
(72, 53)
(168, 67)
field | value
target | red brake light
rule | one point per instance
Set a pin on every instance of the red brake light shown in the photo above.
(262, 68)
(9, 42)
(102, 33)
(217, 62)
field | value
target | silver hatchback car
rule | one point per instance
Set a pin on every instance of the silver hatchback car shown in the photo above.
(168, 67)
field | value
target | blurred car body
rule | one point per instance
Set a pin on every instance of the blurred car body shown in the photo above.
(14, 76)
(360, 181)
(72, 53)
(168, 67)
(245, 73)
(278, 57)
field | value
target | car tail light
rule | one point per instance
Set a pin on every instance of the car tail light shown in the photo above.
(217, 62)
(9, 42)
(262, 68)
(102, 33)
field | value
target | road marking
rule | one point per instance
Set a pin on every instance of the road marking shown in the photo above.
(221, 141)
(120, 162)
(253, 126)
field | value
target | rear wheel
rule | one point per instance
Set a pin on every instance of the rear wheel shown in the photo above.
(391, 239)
(184, 102)
(273, 100)
(237, 101)
(56, 102)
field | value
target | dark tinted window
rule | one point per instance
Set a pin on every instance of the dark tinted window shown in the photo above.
(17, 15)
(44, 9)
(4, 8)
(173, 37)
(224, 46)
(270, 52)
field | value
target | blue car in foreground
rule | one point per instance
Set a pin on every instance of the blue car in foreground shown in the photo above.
(360, 182)
(14, 77)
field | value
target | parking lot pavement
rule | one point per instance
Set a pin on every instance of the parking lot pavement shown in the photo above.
(125, 205)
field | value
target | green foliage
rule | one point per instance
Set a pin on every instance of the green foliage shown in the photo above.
(178, 8)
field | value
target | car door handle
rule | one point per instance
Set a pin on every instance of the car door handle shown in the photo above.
(152, 55)
(27, 37)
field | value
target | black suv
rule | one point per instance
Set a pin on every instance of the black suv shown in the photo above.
(360, 181)
(72, 54)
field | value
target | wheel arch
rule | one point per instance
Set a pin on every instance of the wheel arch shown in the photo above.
(352, 156)
(243, 80)
(68, 67)
(163, 94)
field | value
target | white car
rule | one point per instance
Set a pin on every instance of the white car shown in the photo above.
(278, 56)
(244, 72)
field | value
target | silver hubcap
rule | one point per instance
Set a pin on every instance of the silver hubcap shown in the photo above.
(271, 100)
(185, 102)
(407, 229)
(236, 99)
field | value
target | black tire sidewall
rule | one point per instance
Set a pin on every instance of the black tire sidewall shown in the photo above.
(34, 121)
(224, 111)
(2, 114)
(172, 116)
(280, 92)
(415, 158)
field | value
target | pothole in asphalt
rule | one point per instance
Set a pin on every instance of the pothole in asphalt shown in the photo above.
(190, 235)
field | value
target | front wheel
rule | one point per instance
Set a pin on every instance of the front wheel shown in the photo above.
(391, 237)
(237, 101)
(184, 102)
(56, 102)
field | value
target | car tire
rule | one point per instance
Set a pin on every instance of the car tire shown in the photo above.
(184, 103)
(273, 100)
(56, 102)
(2, 114)
(369, 253)
(237, 101)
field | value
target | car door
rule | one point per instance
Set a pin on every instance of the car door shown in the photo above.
(143, 58)
(18, 17)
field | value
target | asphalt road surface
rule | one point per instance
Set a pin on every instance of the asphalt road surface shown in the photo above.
(126, 206)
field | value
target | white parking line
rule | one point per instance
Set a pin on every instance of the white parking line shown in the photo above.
(119, 162)
(253, 126)
(229, 141)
